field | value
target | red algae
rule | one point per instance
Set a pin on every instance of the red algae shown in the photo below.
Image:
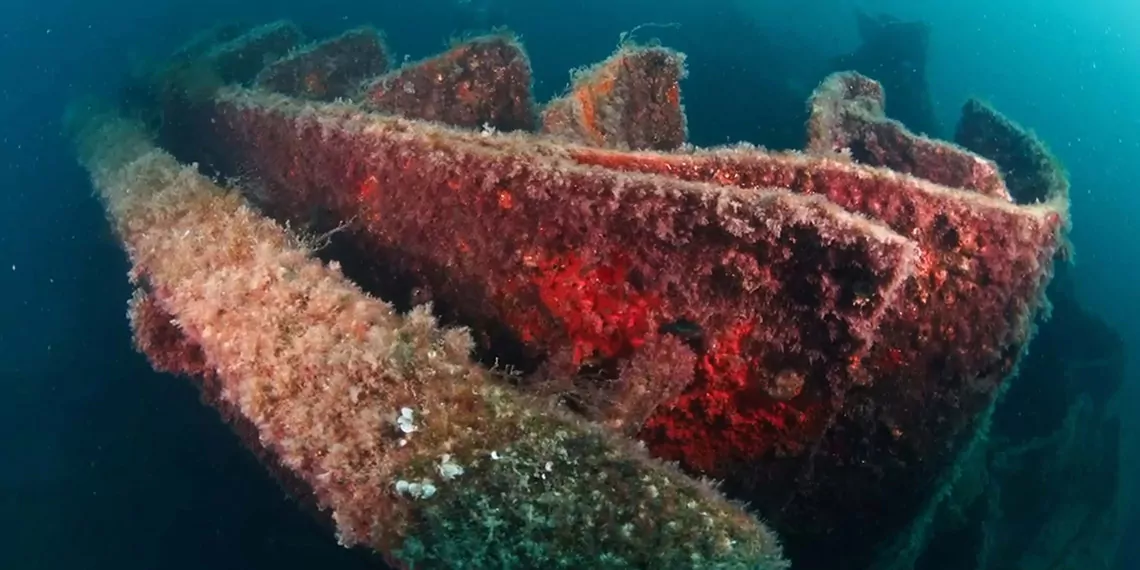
(329, 69)
(848, 115)
(483, 82)
(820, 331)
(630, 101)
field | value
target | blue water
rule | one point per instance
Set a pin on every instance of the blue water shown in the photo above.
(104, 464)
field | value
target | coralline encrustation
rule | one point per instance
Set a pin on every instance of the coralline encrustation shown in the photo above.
(330, 69)
(481, 83)
(631, 101)
(820, 331)
(382, 419)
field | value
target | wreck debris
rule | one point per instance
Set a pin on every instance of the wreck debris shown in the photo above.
(631, 101)
(329, 69)
(413, 450)
(834, 327)
(847, 116)
(978, 257)
(1032, 173)
(240, 59)
(479, 83)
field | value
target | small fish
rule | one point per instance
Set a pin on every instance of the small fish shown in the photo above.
(684, 329)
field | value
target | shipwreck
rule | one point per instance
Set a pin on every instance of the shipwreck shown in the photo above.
(477, 332)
